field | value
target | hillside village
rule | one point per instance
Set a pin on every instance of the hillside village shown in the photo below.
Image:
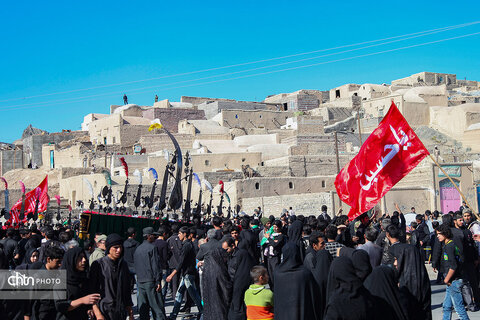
(282, 152)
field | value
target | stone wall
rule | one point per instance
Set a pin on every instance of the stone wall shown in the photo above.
(131, 134)
(196, 101)
(221, 161)
(302, 204)
(10, 159)
(345, 91)
(106, 129)
(71, 172)
(170, 117)
(307, 102)
(32, 146)
(427, 78)
(158, 142)
(214, 162)
(213, 108)
(225, 176)
(351, 102)
(73, 157)
(309, 166)
(277, 186)
(277, 171)
(266, 119)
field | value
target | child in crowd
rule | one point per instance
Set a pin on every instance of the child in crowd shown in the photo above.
(259, 299)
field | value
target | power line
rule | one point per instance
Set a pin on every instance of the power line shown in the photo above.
(80, 99)
(225, 74)
(247, 63)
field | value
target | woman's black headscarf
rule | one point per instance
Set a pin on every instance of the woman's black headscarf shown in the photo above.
(77, 286)
(349, 299)
(295, 231)
(360, 260)
(29, 255)
(383, 286)
(321, 268)
(69, 263)
(295, 236)
(413, 278)
(239, 267)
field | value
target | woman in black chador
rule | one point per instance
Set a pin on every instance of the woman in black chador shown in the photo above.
(294, 287)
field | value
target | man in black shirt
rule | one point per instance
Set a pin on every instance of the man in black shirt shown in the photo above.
(129, 247)
(186, 268)
(9, 245)
(423, 234)
(162, 247)
(45, 309)
(452, 268)
(174, 249)
(149, 277)
(110, 277)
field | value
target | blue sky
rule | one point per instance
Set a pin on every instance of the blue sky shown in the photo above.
(59, 46)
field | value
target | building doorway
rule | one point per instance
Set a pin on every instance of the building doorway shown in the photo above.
(449, 196)
(52, 159)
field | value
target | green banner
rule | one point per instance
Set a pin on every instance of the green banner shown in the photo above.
(108, 224)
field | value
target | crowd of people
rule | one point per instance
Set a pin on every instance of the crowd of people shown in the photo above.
(294, 267)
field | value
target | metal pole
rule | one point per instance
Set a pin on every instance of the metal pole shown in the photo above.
(455, 185)
(359, 128)
(105, 155)
(336, 152)
(338, 162)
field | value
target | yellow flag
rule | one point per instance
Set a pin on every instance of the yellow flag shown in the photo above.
(155, 126)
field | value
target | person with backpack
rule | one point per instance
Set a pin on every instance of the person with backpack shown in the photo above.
(470, 253)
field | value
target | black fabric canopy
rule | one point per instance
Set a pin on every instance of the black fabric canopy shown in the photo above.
(108, 224)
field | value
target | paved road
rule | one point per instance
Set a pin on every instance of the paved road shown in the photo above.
(438, 294)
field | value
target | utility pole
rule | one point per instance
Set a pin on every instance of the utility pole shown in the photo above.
(105, 155)
(336, 152)
(359, 128)
(338, 160)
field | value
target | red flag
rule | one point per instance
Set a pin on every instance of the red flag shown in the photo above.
(389, 154)
(30, 200)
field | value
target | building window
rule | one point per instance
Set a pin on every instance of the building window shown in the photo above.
(257, 185)
(105, 140)
(243, 159)
(323, 183)
(285, 107)
(290, 185)
(113, 139)
(207, 163)
(236, 116)
(260, 116)
(337, 93)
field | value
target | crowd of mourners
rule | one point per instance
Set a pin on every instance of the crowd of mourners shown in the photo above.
(294, 267)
